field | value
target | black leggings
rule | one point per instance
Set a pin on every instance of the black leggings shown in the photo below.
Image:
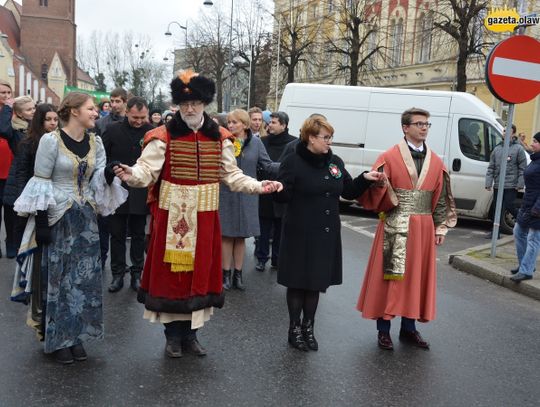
(299, 300)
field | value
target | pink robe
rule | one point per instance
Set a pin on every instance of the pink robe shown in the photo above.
(415, 296)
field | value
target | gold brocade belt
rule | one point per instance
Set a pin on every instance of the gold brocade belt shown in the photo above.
(396, 229)
(183, 202)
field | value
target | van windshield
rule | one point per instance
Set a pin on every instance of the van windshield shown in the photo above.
(477, 139)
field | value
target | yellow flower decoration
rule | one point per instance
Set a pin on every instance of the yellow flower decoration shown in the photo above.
(382, 216)
(237, 147)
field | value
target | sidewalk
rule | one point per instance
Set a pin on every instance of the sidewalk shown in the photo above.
(477, 261)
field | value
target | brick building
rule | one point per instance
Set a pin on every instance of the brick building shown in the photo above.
(40, 36)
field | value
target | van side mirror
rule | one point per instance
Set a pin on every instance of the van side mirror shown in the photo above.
(456, 164)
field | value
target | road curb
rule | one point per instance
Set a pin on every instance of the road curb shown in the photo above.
(468, 264)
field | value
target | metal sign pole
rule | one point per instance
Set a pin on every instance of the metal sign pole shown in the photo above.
(502, 176)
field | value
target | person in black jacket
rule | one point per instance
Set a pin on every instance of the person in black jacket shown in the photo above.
(269, 213)
(310, 257)
(527, 227)
(23, 109)
(123, 143)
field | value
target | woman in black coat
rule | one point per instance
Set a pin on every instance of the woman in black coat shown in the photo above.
(310, 257)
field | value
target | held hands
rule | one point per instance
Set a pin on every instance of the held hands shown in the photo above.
(123, 172)
(379, 178)
(271, 186)
(439, 240)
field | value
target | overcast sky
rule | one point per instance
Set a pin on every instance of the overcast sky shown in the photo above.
(140, 16)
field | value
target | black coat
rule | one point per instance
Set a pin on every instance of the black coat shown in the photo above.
(310, 250)
(274, 144)
(124, 143)
(11, 192)
(529, 212)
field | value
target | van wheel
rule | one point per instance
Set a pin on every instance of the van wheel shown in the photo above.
(507, 223)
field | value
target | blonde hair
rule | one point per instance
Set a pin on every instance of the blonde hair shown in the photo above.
(242, 115)
(19, 102)
(253, 110)
(6, 84)
(312, 127)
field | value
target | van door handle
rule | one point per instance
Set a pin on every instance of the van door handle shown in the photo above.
(456, 164)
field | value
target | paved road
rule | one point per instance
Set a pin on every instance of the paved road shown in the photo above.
(485, 348)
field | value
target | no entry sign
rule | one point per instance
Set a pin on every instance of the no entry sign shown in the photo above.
(513, 69)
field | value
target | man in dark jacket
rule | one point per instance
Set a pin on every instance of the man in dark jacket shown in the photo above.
(513, 181)
(270, 214)
(118, 100)
(123, 142)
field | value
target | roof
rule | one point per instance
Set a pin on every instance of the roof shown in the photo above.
(84, 76)
(10, 27)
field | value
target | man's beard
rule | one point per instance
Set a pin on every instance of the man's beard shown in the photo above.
(193, 122)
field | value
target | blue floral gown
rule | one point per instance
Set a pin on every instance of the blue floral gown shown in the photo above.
(73, 190)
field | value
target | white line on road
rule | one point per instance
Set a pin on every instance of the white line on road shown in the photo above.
(357, 229)
(516, 69)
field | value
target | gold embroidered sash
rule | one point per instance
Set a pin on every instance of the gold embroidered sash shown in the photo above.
(396, 229)
(183, 202)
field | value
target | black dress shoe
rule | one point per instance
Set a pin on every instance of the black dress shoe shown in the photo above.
(514, 271)
(260, 266)
(194, 347)
(384, 341)
(117, 284)
(237, 281)
(173, 348)
(274, 266)
(413, 338)
(309, 335)
(519, 277)
(78, 352)
(135, 282)
(296, 339)
(63, 356)
(227, 279)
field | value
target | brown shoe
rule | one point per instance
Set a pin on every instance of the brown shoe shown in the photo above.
(173, 349)
(384, 341)
(413, 338)
(193, 347)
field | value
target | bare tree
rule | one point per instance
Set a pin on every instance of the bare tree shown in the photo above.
(213, 35)
(462, 20)
(253, 47)
(357, 38)
(297, 37)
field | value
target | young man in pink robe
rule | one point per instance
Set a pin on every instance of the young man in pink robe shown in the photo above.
(416, 209)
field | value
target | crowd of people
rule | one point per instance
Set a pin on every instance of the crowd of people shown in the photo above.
(83, 179)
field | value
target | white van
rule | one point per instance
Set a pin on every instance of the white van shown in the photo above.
(367, 121)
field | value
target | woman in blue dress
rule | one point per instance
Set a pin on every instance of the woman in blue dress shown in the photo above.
(71, 184)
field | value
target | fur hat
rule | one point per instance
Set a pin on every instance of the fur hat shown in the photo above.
(189, 85)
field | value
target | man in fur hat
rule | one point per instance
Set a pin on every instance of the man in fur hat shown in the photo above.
(183, 163)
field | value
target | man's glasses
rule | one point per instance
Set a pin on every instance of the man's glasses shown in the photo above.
(421, 125)
(194, 104)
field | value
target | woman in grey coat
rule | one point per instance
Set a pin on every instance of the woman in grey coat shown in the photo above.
(239, 212)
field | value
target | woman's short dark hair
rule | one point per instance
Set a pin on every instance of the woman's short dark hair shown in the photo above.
(312, 127)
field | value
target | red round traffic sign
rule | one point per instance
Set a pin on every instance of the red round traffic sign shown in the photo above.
(513, 69)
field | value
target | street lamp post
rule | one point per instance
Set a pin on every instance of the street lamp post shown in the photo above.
(228, 94)
(168, 33)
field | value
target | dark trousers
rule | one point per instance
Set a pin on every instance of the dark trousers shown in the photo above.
(262, 251)
(180, 330)
(9, 224)
(103, 228)
(118, 225)
(407, 324)
(508, 200)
